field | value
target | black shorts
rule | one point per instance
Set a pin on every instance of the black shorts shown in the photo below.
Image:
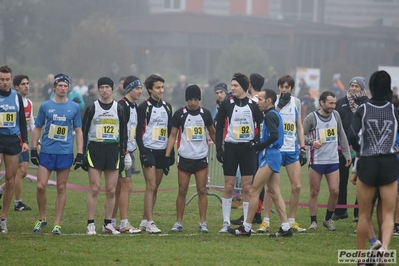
(190, 166)
(10, 144)
(156, 157)
(378, 170)
(103, 156)
(240, 154)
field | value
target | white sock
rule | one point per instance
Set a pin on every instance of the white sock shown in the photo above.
(245, 208)
(16, 202)
(226, 208)
(266, 219)
(285, 226)
(290, 221)
(247, 226)
(143, 223)
(1, 190)
(124, 222)
(113, 222)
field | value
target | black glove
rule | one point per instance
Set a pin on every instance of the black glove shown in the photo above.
(172, 157)
(220, 156)
(85, 165)
(76, 100)
(121, 163)
(259, 146)
(34, 157)
(303, 159)
(284, 100)
(361, 100)
(145, 160)
(79, 161)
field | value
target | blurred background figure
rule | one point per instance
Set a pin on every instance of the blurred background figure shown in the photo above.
(81, 88)
(178, 90)
(48, 87)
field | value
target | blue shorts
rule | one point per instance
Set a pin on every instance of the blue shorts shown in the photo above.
(24, 157)
(325, 168)
(289, 157)
(272, 157)
(56, 162)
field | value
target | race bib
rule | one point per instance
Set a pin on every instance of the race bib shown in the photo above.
(59, 133)
(241, 132)
(132, 134)
(328, 135)
(289, 128)
(8, 119)
(195, 133)
(106, 131)
(159, 134)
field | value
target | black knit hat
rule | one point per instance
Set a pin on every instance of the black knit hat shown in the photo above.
(380, 85)
(193, 91)
(220, 86)
(105, 81)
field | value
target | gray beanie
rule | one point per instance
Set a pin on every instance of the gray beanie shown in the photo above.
(220, 86)
(360, 81)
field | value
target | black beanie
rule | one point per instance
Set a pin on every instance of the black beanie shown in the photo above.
(105, 81)
(380, 85)
(193, 91)
(243, 83)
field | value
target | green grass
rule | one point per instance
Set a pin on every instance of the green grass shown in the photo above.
(21, 247)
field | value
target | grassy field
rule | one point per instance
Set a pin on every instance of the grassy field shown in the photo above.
(22, 247)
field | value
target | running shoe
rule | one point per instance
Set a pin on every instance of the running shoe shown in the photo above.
(128, 228)
(3, 226)
(238, 221)
(282, 233)
(225, 228)
(356, 219)
(153, 229)
(313, 226)
(203, 228)
(21, 207)
(143, 227)
(109, 229)
(177, 227)
(240, 231)
(336, 217)
(91, 229)
(57, 230)
(329, 224)
(377, 244)
(396, 230)
(39, 226)
(295, 227)
(264, 227)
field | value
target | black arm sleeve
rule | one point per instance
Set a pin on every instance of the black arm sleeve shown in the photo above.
(22, 120)
(272, 123)
(122, 129)
(220, 118)
(87, 117)
(141, 124)
(354, 129)
(258, 117)
(170, 112)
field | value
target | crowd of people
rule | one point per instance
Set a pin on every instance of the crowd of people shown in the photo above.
(256, 131)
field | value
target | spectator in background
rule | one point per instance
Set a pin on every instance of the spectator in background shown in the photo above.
(120, 92)
(220, 90)
(81, 88)
(179, 90)
(48, 87)
(271, 83)
(91, 96)
(303, 89)
(114, 73)
(208, 95)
